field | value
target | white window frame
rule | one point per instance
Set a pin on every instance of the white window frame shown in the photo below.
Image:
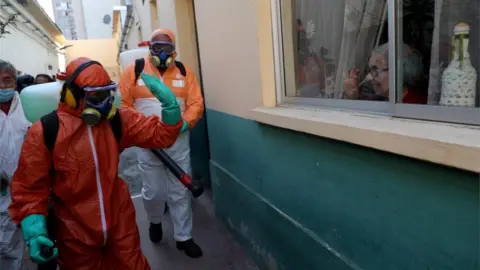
(459, 115)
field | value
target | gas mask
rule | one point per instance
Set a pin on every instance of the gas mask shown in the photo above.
(99, 104)
(162, 54)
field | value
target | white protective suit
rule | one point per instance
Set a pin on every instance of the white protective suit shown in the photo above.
(159, 184)
(13, 128)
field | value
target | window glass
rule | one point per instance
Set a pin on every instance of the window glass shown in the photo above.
(446, 36)
(330, 49)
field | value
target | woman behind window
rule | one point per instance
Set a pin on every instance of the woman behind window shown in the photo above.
(376, 84)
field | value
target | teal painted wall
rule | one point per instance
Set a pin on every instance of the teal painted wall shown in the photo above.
(199, 154)
(297, 201)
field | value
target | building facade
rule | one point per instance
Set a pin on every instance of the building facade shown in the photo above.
(97, 17)
(309, 179)
(32, 43)
(85, 19)
(65, 19)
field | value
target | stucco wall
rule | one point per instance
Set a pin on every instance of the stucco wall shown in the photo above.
(229, 53)
(27, 51)
(104, 51)
(93, 12)
(298, 201)
(186, 36)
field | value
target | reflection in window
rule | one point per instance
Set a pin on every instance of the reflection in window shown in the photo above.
(333, 43)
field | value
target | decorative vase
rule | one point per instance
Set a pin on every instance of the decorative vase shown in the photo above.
(460, 77)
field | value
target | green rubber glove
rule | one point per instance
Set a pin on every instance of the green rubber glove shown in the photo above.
(184, 127)
(34, 229)
(171, 113)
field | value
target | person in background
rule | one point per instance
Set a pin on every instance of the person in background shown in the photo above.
(43, 78)
(377, 79)
(94, 216)
(24, 81)
(159, 184)
(13, 127)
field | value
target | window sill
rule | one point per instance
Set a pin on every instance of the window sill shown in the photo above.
(447, 144)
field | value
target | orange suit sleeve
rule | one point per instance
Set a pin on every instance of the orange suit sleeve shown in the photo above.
(30, 187)
(126, 85)
(194, 101)
(146, 131)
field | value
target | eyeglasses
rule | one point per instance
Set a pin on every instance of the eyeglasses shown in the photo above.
(110, 87)
(374, 71)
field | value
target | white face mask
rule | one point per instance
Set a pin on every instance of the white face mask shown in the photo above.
(6, 94)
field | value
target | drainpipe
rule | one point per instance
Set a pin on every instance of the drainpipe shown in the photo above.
(23, 14)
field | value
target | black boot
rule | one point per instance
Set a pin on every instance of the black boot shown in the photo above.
(51, 265)
(190, 248)
(155, 232)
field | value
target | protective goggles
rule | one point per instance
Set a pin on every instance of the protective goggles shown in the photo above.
(159, 46)
(97, 94)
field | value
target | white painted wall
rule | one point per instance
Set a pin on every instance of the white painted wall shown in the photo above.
(166, 14)
(26, 51)
(143, 20)
(229, 54)
(93, 12)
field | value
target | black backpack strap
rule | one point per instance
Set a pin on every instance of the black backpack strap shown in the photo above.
(181, 67)
(116, 125)
(139, 65)
(50, 126)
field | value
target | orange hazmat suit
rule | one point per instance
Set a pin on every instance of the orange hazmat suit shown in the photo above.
(94, 214)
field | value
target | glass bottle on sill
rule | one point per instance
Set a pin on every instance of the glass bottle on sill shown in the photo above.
(460, 77)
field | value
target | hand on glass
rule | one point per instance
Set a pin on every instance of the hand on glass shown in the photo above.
(350, 85)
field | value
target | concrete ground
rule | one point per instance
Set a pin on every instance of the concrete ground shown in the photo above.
(220, 251)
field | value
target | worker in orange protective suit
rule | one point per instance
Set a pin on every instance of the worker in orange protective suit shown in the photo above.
(94, 214)
(159, 184)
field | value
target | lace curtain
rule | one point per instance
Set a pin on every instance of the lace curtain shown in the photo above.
(341, 35)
